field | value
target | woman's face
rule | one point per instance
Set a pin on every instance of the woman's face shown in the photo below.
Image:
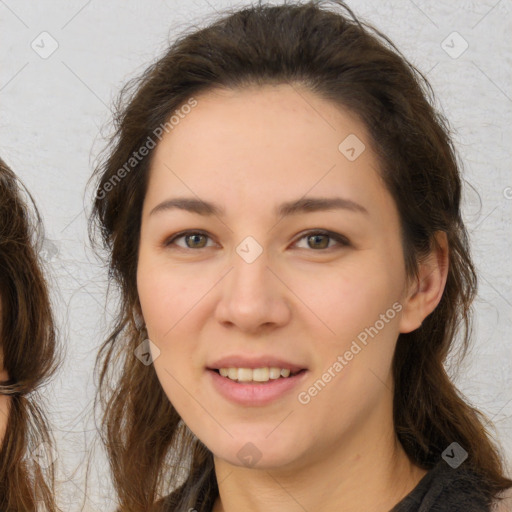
(250, 286)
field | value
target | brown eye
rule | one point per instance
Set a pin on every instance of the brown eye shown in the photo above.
(322, 239)
(318, 241)
(193, 240)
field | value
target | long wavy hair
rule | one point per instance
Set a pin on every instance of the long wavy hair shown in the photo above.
(325, 48)
(29, 352)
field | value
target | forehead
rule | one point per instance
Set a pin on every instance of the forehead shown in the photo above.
(280, 116)
(264, 141)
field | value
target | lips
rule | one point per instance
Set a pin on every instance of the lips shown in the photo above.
(262, 361)
(255, 394)
(255, 391)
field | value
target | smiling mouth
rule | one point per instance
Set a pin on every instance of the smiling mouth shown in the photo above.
(256, 375)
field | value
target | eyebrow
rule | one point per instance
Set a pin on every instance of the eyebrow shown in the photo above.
(303, 205)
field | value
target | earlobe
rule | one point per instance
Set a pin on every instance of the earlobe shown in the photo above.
(425, 293)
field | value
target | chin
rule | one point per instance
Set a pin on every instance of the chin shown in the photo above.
(265, 460)
(255, 451)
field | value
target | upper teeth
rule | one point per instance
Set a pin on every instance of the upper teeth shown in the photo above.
(256, 374)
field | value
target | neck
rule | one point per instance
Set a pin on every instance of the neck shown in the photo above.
(368, 471)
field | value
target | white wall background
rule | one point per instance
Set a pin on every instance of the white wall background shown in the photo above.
(52, 109)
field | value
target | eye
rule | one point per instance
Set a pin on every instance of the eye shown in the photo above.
(193, 240)
(320, 239)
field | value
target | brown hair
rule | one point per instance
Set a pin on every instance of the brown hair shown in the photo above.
(28, 344)
(349, 63)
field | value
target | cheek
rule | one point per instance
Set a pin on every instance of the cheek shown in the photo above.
(360, 305)
(164, 296)
(163, 301)
(169, 304)
(349, 299)
(151, 298)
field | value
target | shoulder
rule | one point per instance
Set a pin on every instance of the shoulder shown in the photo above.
(445, 489)
(461, 491)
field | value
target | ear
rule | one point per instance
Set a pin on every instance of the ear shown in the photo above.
(424, 294)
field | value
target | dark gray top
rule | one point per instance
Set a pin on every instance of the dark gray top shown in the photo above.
(445, 489)
(442, 489)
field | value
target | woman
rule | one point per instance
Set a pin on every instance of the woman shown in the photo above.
(27, 356)
(281, 206)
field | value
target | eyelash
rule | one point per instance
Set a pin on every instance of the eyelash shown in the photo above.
(342, 241)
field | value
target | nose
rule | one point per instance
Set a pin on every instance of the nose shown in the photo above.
(253, 296)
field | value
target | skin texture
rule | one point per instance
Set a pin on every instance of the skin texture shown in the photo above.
(250, 150)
